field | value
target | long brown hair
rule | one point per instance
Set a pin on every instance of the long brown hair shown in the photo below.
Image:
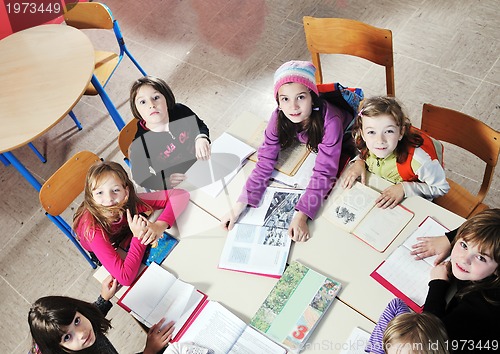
(483, 229)
(97, 213)
(48, 317)
(380, 105)
(313, 126)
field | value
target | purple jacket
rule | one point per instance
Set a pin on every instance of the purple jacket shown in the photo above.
(325, 169)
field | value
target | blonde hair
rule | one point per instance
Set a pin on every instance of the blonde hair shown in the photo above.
(97, 214)
(483, 229)
(422, 333)
(385, 105)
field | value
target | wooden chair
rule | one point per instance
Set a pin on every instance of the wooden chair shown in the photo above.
(344, 36)
(94, 15)
(125, 138)
(62, 188)
(472, 135)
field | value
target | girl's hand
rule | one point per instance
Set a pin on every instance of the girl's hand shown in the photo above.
(108, 287)
(202, 147)
(230, 218)
(298, 230)
(391, 196)
(432, 246)
(176, 178)
(158, 337)
(154, 231)
(355, 170)
(440, 271)
(137, 224)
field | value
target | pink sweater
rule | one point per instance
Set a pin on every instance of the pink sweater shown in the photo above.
(125, 270)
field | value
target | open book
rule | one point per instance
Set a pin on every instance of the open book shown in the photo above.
(228, 155)
(218, 329)
(403, 275)
(259, 242)
(354, 210)
(158, 294)
(295, 305)
(250, 129)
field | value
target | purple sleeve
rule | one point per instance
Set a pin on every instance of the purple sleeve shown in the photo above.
(267, 157)
(326, 165)
(394, 308)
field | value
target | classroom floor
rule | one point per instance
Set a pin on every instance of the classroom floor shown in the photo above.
(219, 56)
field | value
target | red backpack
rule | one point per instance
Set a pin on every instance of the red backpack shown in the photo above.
(433, 147)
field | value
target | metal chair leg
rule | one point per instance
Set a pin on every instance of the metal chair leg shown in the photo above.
(77, 122)
(37, 153)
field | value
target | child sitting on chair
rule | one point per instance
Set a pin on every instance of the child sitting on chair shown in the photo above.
(110, 216)
(388, 146)
(170, 137)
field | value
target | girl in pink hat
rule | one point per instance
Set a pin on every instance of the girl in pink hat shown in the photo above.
(301, 115)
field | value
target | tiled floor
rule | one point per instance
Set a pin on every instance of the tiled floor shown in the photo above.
(219, 57)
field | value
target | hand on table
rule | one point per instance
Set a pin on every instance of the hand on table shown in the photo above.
(176, 179)
(391, 196)
(202, 148)
(355, 170)
(158, 337)
(432, 246)
(153, 231)
(230, 218)
(298, 230)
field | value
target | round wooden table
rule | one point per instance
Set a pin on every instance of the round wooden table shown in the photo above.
(44, 71)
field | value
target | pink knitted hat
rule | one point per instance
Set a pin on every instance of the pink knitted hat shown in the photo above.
(301, 72)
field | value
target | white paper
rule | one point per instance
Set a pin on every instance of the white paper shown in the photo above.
(218, 329)
(158, 294)
(223, 146)
(357, 341)
(301, 178)
(259, 242)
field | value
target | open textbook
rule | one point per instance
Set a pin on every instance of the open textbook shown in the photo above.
(259, 241)
(405, 276)
(250, 129)
(158, 294)
(228, 155)
(354, 210)
(295, 306)
(218, 329)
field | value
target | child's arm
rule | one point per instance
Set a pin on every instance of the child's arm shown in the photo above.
(432, 246)
(202, 147)
(432, 179)
(356, 169)
(172, 201)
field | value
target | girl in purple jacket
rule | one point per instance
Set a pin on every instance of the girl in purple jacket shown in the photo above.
(301, 115)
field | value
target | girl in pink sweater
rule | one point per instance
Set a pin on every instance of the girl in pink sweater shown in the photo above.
(112, 215)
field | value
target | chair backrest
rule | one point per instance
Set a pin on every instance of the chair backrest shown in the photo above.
(126, 136)
(344, 36)
(62, 188)
(87, 15)
(466, 132)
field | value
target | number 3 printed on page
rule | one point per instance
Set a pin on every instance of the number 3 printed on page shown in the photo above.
(300, 333)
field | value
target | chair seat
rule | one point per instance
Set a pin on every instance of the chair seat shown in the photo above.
(458, 200)
(105, 63)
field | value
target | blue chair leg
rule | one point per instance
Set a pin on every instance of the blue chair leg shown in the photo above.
(37, 153)
(113, 112)
(64, 227)
(77, 122)
(7, 163)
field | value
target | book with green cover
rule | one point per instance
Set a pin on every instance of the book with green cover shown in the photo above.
(295, 305)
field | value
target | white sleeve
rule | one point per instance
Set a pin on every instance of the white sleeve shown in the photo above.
(431, 178)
